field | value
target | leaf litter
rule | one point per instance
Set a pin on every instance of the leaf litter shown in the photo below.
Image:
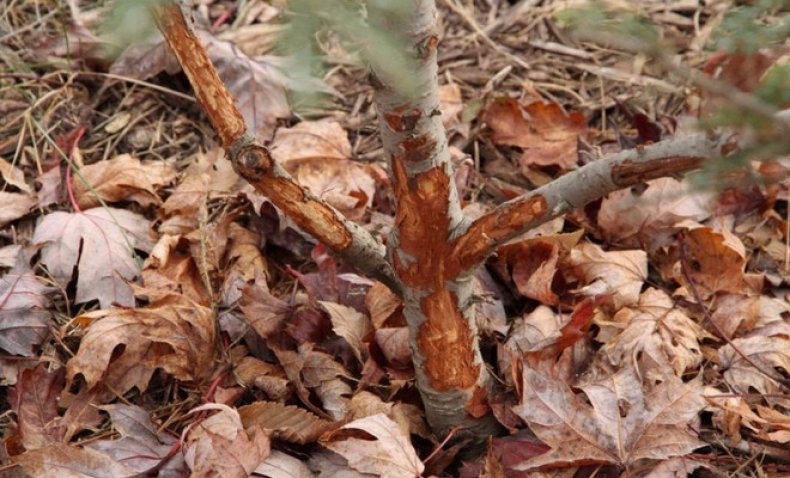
(168, 320)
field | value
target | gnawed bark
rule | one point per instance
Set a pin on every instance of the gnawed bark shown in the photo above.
(451, 375)
(479, 239)
(254, 163)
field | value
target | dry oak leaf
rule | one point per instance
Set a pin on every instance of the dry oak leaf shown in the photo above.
(655, 334)
(220, 447)
(547, 135)
(65, 461)
(123, 178)
(101, 242)
(141, 446)
(646, 219)
(15, 205)
(24, 318)
(375, 445)
(173, 333)
(620, 273)
(620, 426)
(317, 154)
(284, 422)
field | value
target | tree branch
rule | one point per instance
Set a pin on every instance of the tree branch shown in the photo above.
(252, 161)
(578, 188)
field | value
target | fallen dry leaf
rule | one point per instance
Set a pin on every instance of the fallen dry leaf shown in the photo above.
(173, 333)
(171, 268)
(382, 304)
(646, 219)
(101, 243)
(14, 176)
(34, 400)
(655, 334)
(767, 347)
(15, 205)
(265, 312)
(620, 273)
(317, 154)
(220, 447)
(388, 454)
(284, 422)
(282, 465)
(736, 314)
(711, 260)
(621, 425)
(547, 135)
(123, 178)
(67, 461)
(268, 377)
(24, 318)
(350, 324)
(141, 446)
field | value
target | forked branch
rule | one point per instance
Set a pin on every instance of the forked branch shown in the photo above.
(252, 160)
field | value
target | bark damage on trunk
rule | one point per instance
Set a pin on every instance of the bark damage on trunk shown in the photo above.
(451, 375)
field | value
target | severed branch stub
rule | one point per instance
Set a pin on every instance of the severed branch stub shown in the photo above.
(252, 160)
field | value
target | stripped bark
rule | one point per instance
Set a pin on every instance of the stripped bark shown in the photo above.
(252, 161)
(451, 375)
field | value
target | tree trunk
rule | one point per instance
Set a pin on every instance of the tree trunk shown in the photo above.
(450, 372)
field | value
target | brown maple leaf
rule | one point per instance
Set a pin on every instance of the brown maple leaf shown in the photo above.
(101, 243)
(621, 425)
(123, 178)
(174, 334)
(547, 135)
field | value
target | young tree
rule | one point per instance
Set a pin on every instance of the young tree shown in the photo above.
(433, 252)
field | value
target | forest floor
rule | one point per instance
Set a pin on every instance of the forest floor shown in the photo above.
(157, 315)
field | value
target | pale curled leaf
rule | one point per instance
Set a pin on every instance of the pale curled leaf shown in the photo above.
(101, 243)
(621, 426)
(390, 455)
